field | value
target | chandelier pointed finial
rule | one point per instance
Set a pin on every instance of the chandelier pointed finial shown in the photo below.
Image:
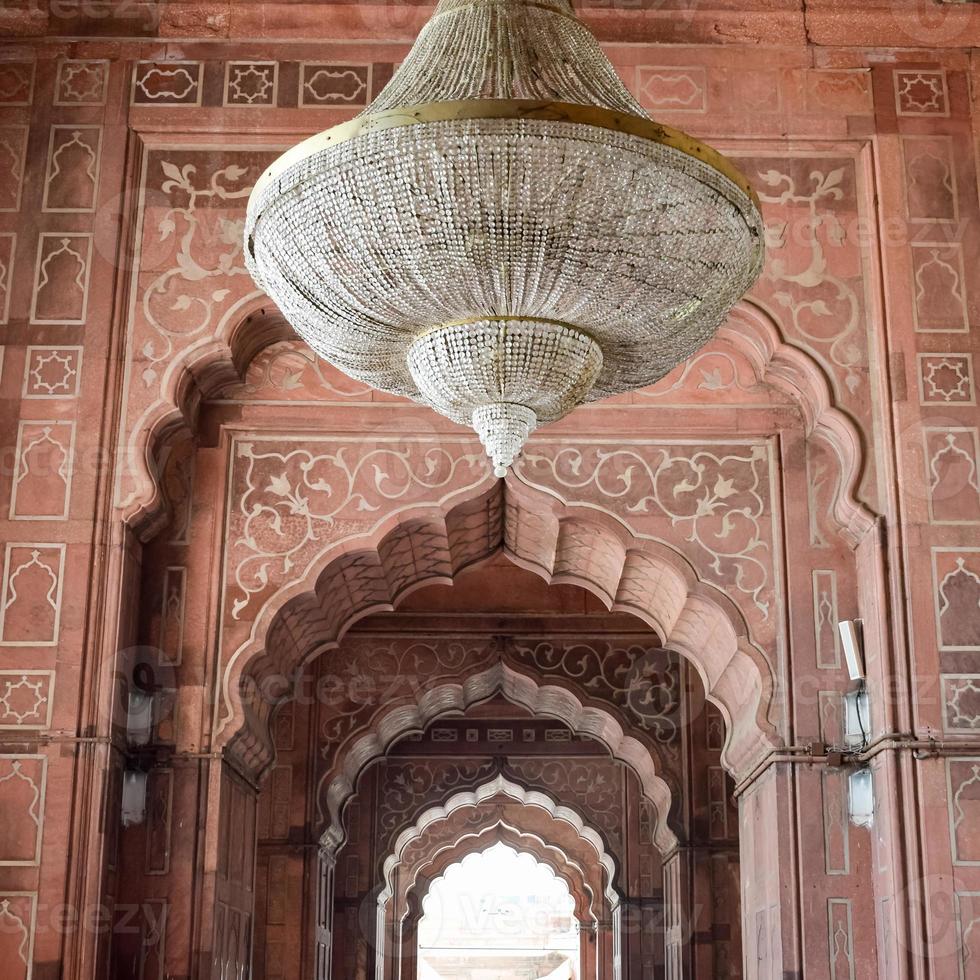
(504, 234)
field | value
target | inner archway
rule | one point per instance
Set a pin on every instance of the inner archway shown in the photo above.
(498, 913)
(463, 710)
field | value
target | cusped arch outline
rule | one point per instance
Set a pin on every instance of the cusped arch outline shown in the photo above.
(501, 786)
(199, 373)
(253, 324)
(373, 674)
(561, 866)
(568, 873)
(541, 700)
(798, 373)
(645, 578)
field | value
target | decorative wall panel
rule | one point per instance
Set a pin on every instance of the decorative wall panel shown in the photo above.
(8, 253)
(23, 785)
(26, 699)
(43, 470)
(71, 183)
(167, 83)
(61, 279)
(251, 83)
(825, 619)
(16, 83)
(30, 598)
(956, 575)
(921, 93)
(52, 372)
(18, 923)
(82, 82)
(963, 778)
(13, 149)
(946, 379)
(952, 457)
(331, 85)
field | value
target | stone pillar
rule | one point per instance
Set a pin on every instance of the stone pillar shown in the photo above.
(388, 941)
(787, 839)
(700, 913)
(324, 916)
(677, 924)
(617, 961)
(608, 942)
(646, 919)
(770, 890)
(408, 941)
(234, 877)
(589, 964)
(724, 935)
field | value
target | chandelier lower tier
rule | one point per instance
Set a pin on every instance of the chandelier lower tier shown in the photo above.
(504, 235)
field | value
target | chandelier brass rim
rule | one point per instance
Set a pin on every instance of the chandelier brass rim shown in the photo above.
(472, 109)
(503, 318)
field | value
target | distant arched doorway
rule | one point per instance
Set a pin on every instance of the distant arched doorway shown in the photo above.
(499, 913)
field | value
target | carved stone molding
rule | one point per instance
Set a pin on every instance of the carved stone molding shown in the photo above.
(543, 701)
(502, 786)
(638, 577)
(425, 872)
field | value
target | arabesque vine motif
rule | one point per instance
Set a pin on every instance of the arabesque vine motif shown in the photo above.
(410, 786)
(711, 370)
(289, 369)
(376, 673)
(433, 839)
(593, 787)
(176, 304)
(720, 498)
(824, 308)
(293, 500)
(642, 680)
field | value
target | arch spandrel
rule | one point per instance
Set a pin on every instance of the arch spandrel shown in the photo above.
(630, 676)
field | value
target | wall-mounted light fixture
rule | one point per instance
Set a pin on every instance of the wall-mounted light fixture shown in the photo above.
(852, 640)
(133, 797)
(861, 797)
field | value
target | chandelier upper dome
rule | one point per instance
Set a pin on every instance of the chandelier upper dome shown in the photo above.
(504, 233)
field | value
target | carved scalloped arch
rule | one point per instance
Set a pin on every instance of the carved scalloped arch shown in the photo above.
(553, 858)
(644, 578)
(199, 373)
(544, 701)
(358, 657)
(501, 786)
(204, 369)
(797, 373)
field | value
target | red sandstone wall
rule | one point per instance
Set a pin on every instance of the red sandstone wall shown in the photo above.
(124, 167)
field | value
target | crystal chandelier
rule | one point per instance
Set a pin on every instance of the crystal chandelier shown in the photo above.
(504, 233)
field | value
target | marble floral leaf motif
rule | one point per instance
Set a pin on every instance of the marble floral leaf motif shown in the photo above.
(814, 279)
(713, 502)
(292, 502)
(191, 264)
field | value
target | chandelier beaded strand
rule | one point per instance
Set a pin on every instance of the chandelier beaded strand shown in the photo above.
(504, 234)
